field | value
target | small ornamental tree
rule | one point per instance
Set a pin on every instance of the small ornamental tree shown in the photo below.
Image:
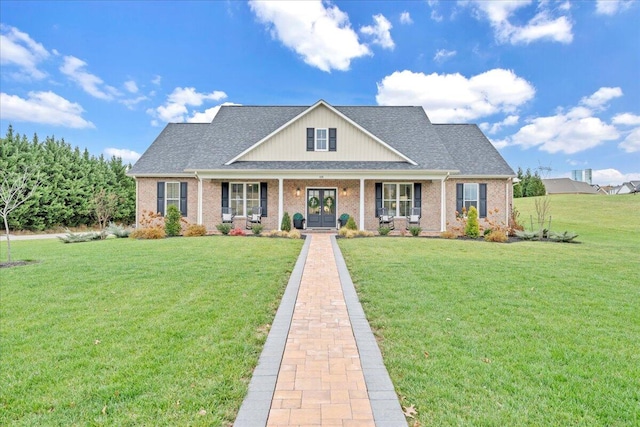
(285, 225)
(472, 229)
(172, 221)
(351, 224)
(14, 191)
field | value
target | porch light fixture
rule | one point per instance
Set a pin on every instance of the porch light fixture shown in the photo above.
(344, 191)
(298, 192)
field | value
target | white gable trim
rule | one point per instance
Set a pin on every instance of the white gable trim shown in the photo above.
(307, 111)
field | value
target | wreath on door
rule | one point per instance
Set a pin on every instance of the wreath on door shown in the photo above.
(314, 202)
(329, 202)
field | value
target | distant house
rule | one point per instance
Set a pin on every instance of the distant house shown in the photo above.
(629, 187)
(322, 161)
(568, 186)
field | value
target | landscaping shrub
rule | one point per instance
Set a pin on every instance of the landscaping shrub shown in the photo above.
(495, 236)
(237, 232)
(565, 237)
(257, 229)
(342, 232)
(224, 228)
(155, 232)
(351, 224)
(415, 230)
(527, 235)
(472, 229)
(172, 224)
(294, 234)
(286, 222)
(80, 237)
(117, 230)
(384, 230)
(448, 234)
(194, 230)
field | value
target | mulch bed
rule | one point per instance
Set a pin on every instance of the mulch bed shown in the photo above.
(16, 263)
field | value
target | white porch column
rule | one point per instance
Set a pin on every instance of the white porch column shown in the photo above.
(280, 202)
(199, 218)
(443, 206)
(361, 203)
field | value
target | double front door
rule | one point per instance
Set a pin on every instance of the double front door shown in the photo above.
(321, 208)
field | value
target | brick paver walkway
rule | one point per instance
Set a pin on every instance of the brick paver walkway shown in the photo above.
(320, 380)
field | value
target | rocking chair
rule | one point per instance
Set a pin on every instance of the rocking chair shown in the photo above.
(413, 218)
(385, 219)
(255, 217)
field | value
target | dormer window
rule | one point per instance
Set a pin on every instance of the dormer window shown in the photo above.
(322, 139)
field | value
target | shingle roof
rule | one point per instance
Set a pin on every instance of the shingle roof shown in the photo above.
(567, 186)
(189, 146)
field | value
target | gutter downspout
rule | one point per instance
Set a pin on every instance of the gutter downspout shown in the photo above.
(199, 217)
(443, 204)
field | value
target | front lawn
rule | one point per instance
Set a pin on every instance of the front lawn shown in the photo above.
(527, 333)
(125, 332)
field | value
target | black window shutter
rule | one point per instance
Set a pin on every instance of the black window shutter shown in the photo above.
(311, 139)
(160, 207)
(183, 198)
(225, 194)
(332, 139)
(378, 197)
(482, 212)
(263, 198)
(459, 197)
(417, 195)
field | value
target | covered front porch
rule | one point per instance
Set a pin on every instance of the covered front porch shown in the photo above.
(322, 198)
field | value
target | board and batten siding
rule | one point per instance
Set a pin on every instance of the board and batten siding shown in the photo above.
(290, 144)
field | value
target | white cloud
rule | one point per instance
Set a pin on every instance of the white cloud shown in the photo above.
(611, 7)
(130, 103)
(125, 154)
(405, 18)
(613, 177)
(19, 49)
(443, 54)
(435, 14)
(43, 107)
(319, 32)
(175, 108)
(74, 69)
(626, 119)
(156, 80)
(496, 127)
(208, 115)
(381, 32)
(541, 27)
(131, 86)
(454, 98)
(603, 95)
(631, 144)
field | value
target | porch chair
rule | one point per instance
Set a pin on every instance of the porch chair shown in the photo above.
(227, 215)
(255, 217)
(385, 219)
(413, 218)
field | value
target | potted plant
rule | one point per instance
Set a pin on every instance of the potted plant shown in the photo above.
(343, 219)
(298, 221)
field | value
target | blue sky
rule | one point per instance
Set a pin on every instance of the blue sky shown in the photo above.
(553, 84)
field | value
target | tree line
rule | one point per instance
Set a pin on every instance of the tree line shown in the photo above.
(70, 183)
(530, 185)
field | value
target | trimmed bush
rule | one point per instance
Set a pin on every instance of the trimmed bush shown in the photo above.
(237, 232)
(527, 235)
(117, 230)
(383, 231)
(224, 228)
(351, 224)
(565, 237)
(448, 234)
(156, 232)
(194, 230)
(415, 230)
(472, 228)
(496, 236)
(257, 229)
(285, 225)
(172, 224)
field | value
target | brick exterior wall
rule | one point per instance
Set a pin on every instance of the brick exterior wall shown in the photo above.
(430, 222)
(499, 193)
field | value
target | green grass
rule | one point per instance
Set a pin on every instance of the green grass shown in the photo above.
(125, 332)
(521, 334)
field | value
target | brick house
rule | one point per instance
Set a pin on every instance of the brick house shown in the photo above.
(322, 161)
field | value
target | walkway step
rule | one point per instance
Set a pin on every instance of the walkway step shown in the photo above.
(321, 364)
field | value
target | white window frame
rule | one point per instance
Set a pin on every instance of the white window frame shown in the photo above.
(476, 201)
(244, 197)
(395, 210)
(316, 139)
(168, 199)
